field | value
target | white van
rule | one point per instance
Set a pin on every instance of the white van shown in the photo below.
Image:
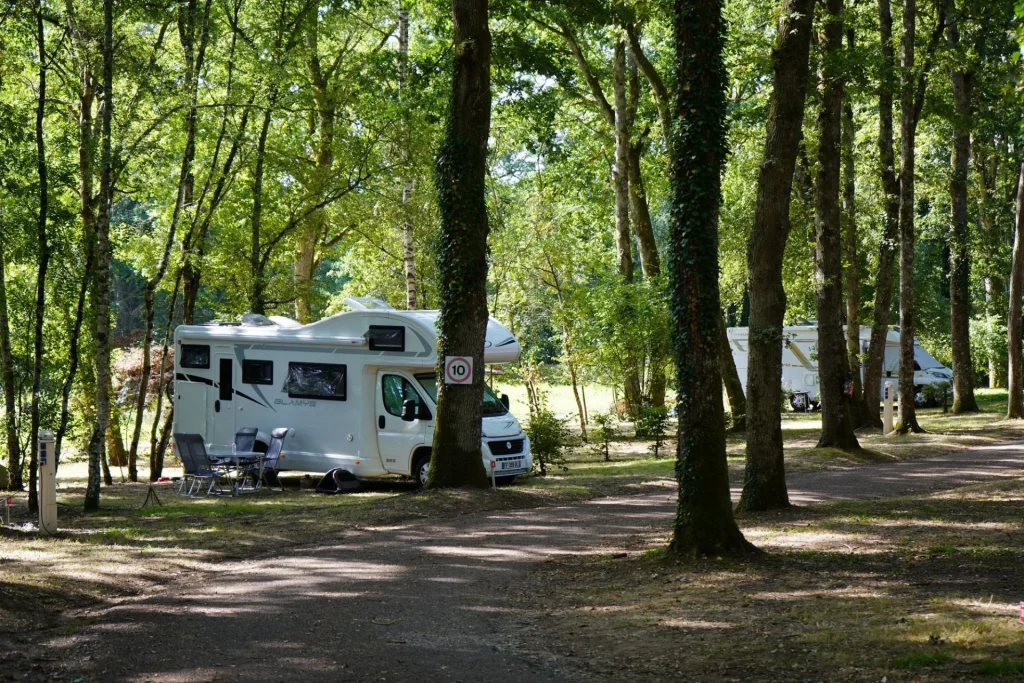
(800, 362)
(358, 390)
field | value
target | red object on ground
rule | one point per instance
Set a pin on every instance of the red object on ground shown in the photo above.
(1022, 612)
(162, 480)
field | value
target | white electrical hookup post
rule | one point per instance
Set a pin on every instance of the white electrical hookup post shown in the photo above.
(887, 411)
(47, 484)
(494, 481)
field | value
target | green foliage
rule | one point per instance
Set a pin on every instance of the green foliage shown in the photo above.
(606, 432)
(549, 437)
(651, 424)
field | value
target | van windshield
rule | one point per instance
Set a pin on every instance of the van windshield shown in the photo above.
(492, 406)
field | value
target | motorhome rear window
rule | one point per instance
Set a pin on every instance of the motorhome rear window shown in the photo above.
(316, 380)
(257, 372)
(386, 338)
(195, 356)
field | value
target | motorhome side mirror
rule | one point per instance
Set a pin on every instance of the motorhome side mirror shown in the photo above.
(504, 401)
(408, 410)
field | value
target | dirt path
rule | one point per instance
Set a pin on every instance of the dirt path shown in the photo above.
(422, 602)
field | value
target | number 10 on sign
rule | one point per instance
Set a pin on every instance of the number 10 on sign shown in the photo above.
(458, 369)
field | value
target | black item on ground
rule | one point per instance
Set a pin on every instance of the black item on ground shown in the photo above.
(338, 481)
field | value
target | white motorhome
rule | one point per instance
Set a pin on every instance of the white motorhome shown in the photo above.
(358, 390)
(800, 362)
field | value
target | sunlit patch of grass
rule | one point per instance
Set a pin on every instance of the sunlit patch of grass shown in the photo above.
(850, 591)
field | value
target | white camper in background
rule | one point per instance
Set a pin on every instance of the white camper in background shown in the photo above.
(800, 362)
(358, 390)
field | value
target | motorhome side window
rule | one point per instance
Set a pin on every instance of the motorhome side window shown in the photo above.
(195, 356)
(316, 380)
(386, 338)
(257, 372)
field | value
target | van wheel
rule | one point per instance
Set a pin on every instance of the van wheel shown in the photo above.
(420, 468)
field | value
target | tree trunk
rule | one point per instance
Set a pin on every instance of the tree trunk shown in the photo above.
(462, 257)
(907, 414)
(1015, 402)
(96, 444)
(42, 264)
(408, 251)
(890, 226)
(257, 259)
(836, 424)
(14, 464)
(959, 247)
(73, 358)
(704, 524)
(764, 485)
(995, 304)
(850, 248)
(185, 178)
(731, 379)
(156, 457)
(623, 243)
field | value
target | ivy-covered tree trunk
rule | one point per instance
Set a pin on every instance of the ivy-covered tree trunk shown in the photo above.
(96, 443)
(890, 222)
(908, 131)
(1015, 402)
(851, 270)
(764, 486)
(14, 464)
(704, 524)
(42, 264)
(836, 425)
(462, 251)
(959, 237)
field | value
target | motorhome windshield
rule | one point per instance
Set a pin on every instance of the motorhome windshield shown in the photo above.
(492, 406)
(924, 359)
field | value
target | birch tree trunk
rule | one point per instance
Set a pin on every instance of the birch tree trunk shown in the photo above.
(907, 420)
(836, 425)
(42, 264)
(959, 237)
(462, 253)
(96, 444)
(1015, 402)
(704, 523)
(764, 486)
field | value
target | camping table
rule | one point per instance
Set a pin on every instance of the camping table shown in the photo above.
(235, 460)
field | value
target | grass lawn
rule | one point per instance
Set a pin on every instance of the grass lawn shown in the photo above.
(123, 550)
(902, 589)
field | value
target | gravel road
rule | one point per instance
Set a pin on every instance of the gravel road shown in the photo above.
(420, 602)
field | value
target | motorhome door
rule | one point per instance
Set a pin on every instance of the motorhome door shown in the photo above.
(221, 424)
(397, 437)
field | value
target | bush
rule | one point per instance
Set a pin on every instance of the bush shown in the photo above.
(549, 437)
(606, 432)
(651, 424)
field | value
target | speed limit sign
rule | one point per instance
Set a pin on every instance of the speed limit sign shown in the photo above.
(458, 369)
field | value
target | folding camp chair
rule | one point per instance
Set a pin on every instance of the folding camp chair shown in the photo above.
(204, 470)
(245, 439)
(184, 450)
(269, 464)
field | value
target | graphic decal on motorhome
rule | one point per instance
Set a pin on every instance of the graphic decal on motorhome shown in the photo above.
(298, 402)
(194, 378)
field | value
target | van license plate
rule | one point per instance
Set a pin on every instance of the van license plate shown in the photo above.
(512, 465)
